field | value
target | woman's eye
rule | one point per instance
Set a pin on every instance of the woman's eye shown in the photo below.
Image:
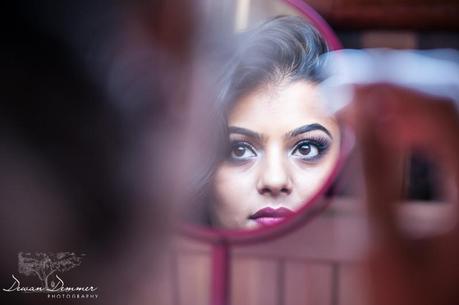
(309, 150)
(242, 151)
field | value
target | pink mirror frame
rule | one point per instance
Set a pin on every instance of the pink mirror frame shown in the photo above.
(314, 206)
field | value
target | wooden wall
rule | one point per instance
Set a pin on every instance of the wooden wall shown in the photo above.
(390, 14)
(321, 263)
(318, 264)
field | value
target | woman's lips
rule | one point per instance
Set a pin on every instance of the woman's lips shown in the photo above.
(269, 216)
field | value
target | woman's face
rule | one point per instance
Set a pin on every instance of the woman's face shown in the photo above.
(283, 147)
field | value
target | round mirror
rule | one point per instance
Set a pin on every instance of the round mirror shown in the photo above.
(272, 146)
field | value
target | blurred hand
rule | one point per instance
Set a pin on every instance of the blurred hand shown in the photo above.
(391, 121)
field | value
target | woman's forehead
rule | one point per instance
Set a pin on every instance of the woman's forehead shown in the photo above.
(285, 106)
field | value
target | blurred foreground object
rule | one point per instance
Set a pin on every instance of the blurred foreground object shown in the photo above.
(86, 96)
(396, 111)
(433, 72)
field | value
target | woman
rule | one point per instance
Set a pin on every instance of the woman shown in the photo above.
(280, 142)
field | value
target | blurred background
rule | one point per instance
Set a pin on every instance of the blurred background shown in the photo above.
(94, 99)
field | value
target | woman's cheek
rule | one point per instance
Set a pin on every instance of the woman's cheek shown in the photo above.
(308, 180)
(232, 195)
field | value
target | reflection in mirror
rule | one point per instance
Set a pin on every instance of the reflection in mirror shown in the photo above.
(277, 144)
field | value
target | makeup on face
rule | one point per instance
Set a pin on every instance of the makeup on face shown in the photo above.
(270, 216)
(282, 146)
(310, 143)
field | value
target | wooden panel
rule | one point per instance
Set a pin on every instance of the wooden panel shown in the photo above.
(352, 289)
(338, 234)
(349, 3)
(160, 287)
(185, 244)
(143, 284)
(254, 281)
(193, 279)
(390, 14)
(294, 269)
(307, 284)
(439, 17)
(389, 39)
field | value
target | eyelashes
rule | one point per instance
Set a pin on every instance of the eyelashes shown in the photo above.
(308, 150)
(242, 151)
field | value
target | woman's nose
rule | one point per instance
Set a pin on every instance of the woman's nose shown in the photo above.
(274, 178)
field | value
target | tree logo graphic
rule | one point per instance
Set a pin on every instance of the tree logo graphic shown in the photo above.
(46, 267)
(43, 265)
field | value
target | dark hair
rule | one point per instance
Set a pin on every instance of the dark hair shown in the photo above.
(285, 48)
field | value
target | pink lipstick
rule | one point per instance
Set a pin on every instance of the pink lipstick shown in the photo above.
(269, 216)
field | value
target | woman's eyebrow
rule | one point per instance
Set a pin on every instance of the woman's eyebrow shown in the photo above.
(307, 128)
(245, 132)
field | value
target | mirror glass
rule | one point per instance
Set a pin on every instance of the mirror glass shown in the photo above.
(265, 144)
